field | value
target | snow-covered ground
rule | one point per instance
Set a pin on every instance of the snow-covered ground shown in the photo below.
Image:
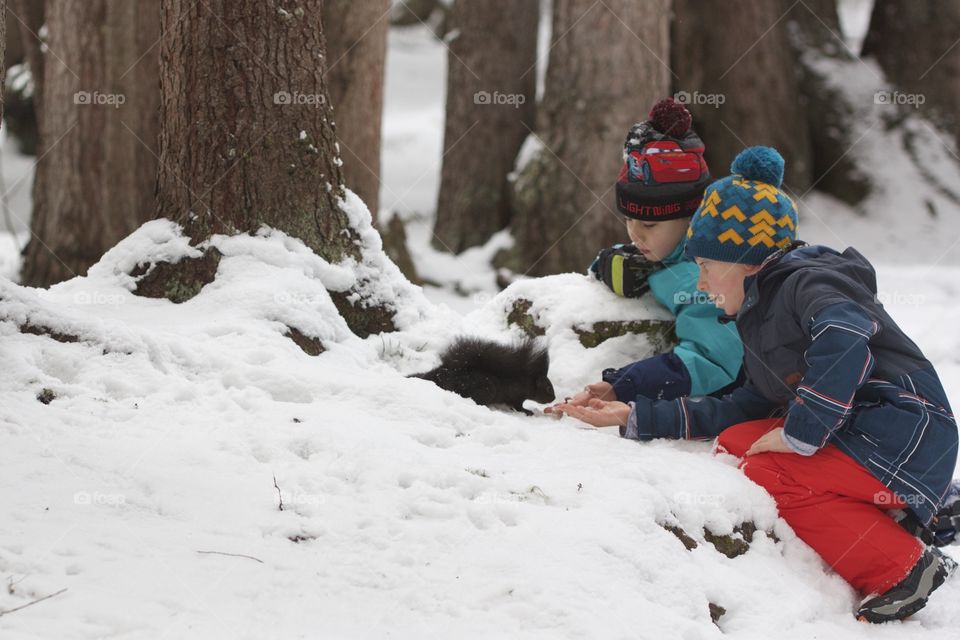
(175, 431)
(413, 511)
(144, 497)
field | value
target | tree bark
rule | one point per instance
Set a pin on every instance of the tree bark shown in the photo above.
(607, 64)
(356, 54)
(3, 51)
(24, 18)
(95, 176)
(247, 138)
(915, 43)
(737, 72)
(30, 17)
(491, 98)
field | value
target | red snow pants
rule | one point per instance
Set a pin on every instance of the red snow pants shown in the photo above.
(833, 504)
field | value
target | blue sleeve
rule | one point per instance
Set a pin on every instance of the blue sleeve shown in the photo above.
(662, 377)
(694, 418)
(839, 362)
(711, 352)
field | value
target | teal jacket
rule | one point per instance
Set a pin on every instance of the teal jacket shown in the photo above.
(709, 354)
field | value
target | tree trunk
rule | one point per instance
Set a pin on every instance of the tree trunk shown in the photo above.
(815, 34)
(356, 53)
(607, 64)
(491, 101)
(95, 177)
(247, 138)
(24, 21)
(3, 47)
(739, 80)
(915, 43)
(24, 18)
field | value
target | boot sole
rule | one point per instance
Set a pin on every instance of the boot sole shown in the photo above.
(940, 574)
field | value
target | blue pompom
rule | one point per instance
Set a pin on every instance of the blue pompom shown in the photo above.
(764, 164)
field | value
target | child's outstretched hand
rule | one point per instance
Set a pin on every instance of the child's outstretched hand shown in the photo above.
(597, 412)
(770, 441)
(601, 390)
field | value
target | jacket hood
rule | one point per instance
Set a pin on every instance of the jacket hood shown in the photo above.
(798, 256)
(850, 263)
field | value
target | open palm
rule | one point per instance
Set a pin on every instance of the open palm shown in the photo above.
(599, 413)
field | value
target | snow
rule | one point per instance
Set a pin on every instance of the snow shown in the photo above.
(855, 20)
(911, 213)
(532, 147)
(16, 180)
(20, 80)
(415, 91)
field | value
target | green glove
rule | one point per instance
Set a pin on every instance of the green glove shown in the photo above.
(624, 269)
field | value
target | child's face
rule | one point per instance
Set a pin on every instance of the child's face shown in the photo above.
(723, 282)
(656, 240)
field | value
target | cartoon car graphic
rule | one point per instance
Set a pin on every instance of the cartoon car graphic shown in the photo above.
(663, 161)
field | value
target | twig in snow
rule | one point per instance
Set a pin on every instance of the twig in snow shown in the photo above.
(236, 555)
(24, 606)
(279, 495)
(11, 584)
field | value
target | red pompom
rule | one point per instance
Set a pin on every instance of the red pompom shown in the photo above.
(671, 118)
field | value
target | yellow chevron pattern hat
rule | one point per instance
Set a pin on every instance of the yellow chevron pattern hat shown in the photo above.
(744, 217)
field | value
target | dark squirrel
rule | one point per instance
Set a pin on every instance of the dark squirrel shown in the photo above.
(490, 373)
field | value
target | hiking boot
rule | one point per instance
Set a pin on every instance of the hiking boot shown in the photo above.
(912, 525)
(941, 531)
(910, 594)
(946, 522)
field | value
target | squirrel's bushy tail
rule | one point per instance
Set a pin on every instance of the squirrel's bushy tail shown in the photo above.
(523, 359)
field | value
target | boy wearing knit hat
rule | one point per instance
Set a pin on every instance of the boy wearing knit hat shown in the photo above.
(842, 418)
(659, 188)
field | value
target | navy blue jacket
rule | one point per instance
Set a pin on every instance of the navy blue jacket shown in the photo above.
(820, 350)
